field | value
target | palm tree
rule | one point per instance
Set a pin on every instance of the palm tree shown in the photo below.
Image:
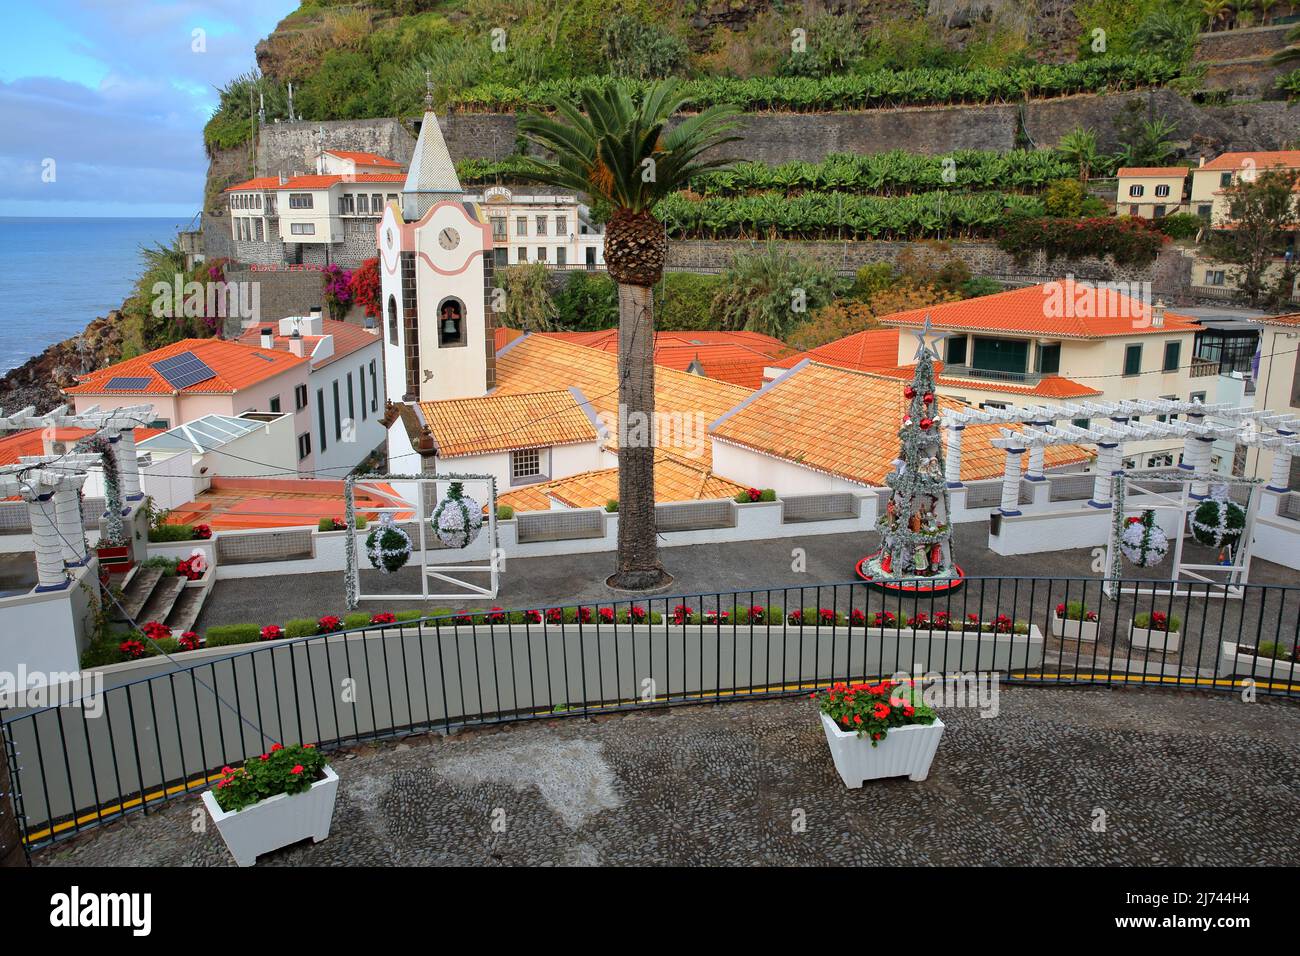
(1079, 147)
(1150, 145)
(618, 150)
(1291, 53)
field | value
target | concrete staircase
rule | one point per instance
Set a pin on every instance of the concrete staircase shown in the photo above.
(151, 594)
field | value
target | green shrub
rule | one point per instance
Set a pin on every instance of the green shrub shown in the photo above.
(221, 635)
(356, 619)
(505, 512)
(1271, 649)
(1181, 225)
(1063, 197)
(161, 561)
(301, 627)
(767, 494)
(330, 524)
(409, 615)
(1143, 619)
(101, 654)
(611, 506)
(172, 532)
(587, 302)
(684, 300)
(163, 645)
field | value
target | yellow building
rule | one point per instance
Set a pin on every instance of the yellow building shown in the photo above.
(1210, 180)
(1151, 192)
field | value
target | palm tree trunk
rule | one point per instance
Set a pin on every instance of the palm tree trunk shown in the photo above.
(638, 547)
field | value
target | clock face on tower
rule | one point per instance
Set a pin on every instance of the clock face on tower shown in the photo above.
(449, 238)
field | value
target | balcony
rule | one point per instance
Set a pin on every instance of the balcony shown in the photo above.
(992, 375)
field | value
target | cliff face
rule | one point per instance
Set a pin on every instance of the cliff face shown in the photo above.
(40, 380)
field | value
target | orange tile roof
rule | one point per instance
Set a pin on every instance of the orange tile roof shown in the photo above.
(865, 351)
(676, 479)
(348, 338)
(736, 357)
(313, 181)
(503, 336)
(476, 426)
(1139, 172)
(1285, 158)
(236, 366)
(364, 159)
(1050, 386)
(846, 423)
(538, 363)
(1025, 312)
(241, 503)
(31, 441)
(1291, 320)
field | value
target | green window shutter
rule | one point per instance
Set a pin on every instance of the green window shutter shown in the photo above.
(1133, 360)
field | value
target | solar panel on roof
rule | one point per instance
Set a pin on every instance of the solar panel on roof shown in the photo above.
(184, 370)
(127, 383)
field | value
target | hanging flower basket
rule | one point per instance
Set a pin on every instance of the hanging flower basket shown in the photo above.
(388, 546)
(458, 518)
(1142, 541)
(1218, 522)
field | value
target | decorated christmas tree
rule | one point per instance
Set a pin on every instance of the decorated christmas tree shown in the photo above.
(915, 530)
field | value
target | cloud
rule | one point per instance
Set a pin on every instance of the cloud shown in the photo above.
(128, 128)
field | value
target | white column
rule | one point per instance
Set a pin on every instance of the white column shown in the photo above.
(952, 462)
(1204, 450)
(50, 573)
(1108, 458)
(1034, 471)
(1189, 443)
(128, 466)
(67, 517)
(1281, 478)
(1011, 482)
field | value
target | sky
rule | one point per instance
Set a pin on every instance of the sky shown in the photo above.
(103, 102)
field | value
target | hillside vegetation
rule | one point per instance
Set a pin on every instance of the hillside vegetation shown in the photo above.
(370, 59)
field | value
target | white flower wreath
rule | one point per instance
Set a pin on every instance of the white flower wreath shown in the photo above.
(458, 518)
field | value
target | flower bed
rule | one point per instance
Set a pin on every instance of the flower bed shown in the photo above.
(878, 730)
(1074, 620)
(1155, 630)
(1270, 660)
(285, 795)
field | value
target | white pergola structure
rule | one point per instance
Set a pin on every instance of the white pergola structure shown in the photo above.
(1038, 428)
(117, 424)
(54, 508)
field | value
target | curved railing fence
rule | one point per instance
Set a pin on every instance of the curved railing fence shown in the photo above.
(160, 728)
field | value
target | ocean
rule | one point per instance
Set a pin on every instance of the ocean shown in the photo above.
(56, 275)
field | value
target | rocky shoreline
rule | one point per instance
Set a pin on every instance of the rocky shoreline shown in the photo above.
(41, 379)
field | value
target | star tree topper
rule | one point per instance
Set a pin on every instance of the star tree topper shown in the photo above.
(927, 331)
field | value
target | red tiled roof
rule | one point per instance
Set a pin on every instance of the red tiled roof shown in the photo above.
(736, 357)
(364, 159)
(238, 503)
(1138, 172)
(476, 426)
(31, 441)
(348, 338)
(1285, 158)
(1026, 312)
(236, 366)
(314, 181)
(845, 423)
(504, 336)
(863, 351)
(1291, 320)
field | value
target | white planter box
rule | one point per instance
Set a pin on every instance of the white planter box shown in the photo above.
(1085, 631)
(905, 752)
(276, 821)
(1154, 640)
(1232, 662)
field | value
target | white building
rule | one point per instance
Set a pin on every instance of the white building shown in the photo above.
(553, 229)
(345, 387)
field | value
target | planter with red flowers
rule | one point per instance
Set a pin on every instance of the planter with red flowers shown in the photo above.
(1155, 630)
(1076, 621)
(283, 796)
(879, 730)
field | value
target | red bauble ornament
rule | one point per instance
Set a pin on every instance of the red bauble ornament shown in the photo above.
(886, 562)
(928, 398)
(926, 424)
(909, 391)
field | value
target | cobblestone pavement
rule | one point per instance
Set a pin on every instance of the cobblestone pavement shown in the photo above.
(1179, 778)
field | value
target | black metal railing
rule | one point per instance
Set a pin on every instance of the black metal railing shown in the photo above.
(158, 730)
